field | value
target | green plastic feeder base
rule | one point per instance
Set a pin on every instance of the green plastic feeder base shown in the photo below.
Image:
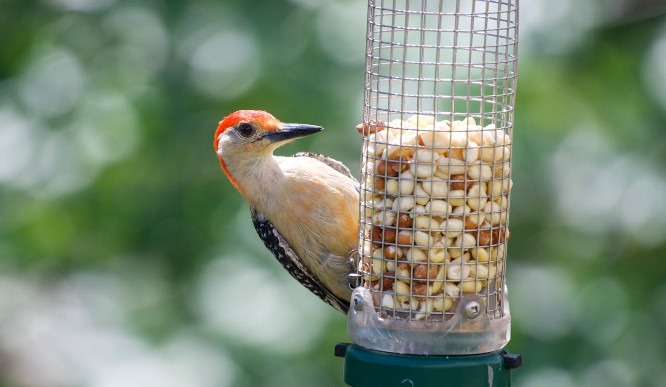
(368, 368)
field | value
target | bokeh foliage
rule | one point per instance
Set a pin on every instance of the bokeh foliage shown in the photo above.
(126, 258)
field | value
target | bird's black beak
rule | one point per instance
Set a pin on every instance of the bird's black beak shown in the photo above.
(291, 132)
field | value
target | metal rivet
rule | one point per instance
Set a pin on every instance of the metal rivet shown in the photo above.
(472, 310)
(354, 280)
(358, 302)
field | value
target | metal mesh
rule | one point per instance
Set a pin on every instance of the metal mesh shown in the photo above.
(436, 164)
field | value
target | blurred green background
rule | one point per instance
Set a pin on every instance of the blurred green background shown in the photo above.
(127, 259)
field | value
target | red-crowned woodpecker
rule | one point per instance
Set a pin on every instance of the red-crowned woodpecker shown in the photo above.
(304, 207)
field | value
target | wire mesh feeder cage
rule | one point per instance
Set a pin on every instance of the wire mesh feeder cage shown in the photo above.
(436, 177)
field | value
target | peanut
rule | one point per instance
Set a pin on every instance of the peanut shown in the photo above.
(422, 170)
(442, 304)
(396, 153)
(388, 301)
(378, 266)
(384, 218)
(383, 169)
(379, 183)
(371, 127)
(420, 195)
(389, 235)
(438, 282)
(426, 308)
(481, 271)
(451, 289)
(366, 248)
(425, 156)
(502, 201)
(473, 220)
(437, 255)
(423, 271)
(455, 252)
(413, 304)
(404, 221)
(436, 213)
(494, 213)
(476, 197)
(421, 121)
(457, 197)
(506, 153)
(490, 153)
(465, 240)
(450, 167)
(404, 237)
(468, 123)
(502, 170)
(461, 210)
(399, 165)
(472, 286)
(401, 290)
(480, 172)
(404, 271)
(406, 183)
(457, 272)
(420, 289)
(497, 252)
(492, 270)
(381, 204)
(378, 141)
(480, 254)
(436, 140)
(500, 234)
(376, 234)
(419, 209)
(452, 227)
(471, 152)
(392, 186)
(391, 252)
(483, 237)
(403, 204)
(423, 222)
(438, 207)
(458, 182)
(435, 187)
(457, 154)
(422, 239)
(403, 143)
(499, 186)
(414, 254)
(387, 280)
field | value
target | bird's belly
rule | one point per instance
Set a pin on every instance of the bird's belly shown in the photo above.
(318, 224)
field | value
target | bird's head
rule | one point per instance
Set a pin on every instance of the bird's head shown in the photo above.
(252, 134)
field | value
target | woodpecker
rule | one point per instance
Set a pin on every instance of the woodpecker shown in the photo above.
(303, 207)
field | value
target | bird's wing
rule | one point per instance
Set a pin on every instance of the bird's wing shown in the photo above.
(333, 163)
(292, 263)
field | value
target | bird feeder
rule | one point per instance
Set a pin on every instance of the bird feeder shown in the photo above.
(432, 302)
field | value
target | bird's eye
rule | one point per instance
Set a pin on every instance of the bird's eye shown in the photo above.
(245, 129)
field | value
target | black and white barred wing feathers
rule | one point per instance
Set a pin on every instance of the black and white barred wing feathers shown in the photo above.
(333, 163)
(284, 254)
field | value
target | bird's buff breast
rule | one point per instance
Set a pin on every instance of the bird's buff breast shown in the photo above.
(326, 201)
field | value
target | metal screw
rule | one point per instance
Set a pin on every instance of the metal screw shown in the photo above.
(472, 310)
(354, 280)
(358, 302)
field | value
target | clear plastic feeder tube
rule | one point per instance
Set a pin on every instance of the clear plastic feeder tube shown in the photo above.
(436, 177)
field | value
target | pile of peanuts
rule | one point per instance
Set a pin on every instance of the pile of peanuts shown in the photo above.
(435, 199)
